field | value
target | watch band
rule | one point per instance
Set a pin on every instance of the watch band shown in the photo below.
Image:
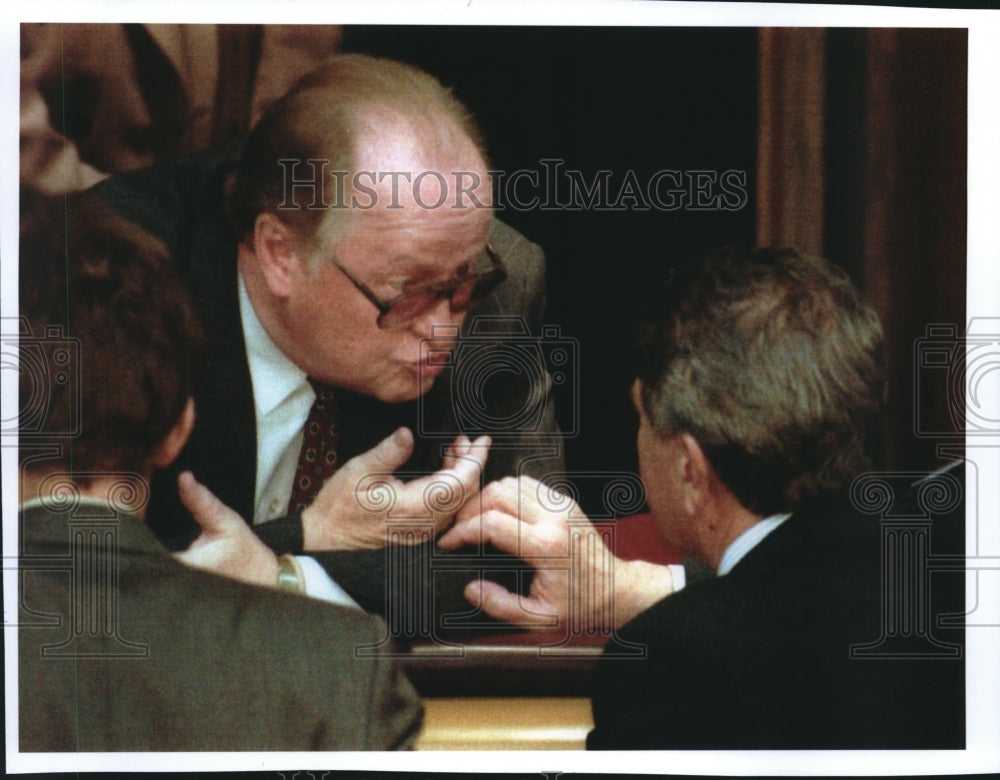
(290, 576)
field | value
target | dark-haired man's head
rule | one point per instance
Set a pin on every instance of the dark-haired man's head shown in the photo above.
(365, 183)
(108, 343)
(768, 364)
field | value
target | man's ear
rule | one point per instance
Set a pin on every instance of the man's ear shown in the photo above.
(166, 451)
(696, 472)
(635, 392)
(275, 247)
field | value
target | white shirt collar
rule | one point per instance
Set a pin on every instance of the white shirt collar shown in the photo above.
(747, 540)
(50, 502)
(273, 375)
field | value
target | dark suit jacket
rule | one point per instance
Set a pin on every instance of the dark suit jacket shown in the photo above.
(164, 657)
(761, 657)
(182, 204)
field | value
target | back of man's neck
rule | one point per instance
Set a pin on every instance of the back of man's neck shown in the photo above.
(729, 520)
(124, 492)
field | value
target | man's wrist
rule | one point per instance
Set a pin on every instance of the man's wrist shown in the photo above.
(325, 534)
(283, 534)
(639, 585)
(319, 534)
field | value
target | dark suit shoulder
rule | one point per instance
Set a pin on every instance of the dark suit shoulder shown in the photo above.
(766, 657)
(333, 665)
(171, 200)
(523, 292)
(508, 242)
(228, 666)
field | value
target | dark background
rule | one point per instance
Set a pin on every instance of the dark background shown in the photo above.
(890, 184)
(619, 99)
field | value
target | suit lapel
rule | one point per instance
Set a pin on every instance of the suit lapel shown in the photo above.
(224, 444)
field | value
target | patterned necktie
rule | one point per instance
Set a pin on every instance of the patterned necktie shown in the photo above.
(318, 456)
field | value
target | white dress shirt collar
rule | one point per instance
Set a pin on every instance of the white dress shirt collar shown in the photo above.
(282, 398)
(747, 540)
(273, 375)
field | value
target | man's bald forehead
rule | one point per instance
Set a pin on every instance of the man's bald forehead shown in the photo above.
(353, 113)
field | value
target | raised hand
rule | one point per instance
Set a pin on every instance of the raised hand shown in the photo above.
(353, 509)
(578, 582)
(226, 545)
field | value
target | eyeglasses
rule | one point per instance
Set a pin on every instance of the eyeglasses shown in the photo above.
(461, 292)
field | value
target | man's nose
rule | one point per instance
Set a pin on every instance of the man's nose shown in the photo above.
(439, 316)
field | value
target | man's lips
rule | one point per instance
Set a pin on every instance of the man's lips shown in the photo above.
(434, 358)
(426, 370)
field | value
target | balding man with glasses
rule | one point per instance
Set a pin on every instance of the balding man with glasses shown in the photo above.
(338, 261)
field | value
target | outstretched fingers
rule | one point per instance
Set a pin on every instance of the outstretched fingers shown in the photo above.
(500, 604)
(456, 450)
(209, 512)
(385, 457)
(505, 532)
(468, 459)
(446, 491)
